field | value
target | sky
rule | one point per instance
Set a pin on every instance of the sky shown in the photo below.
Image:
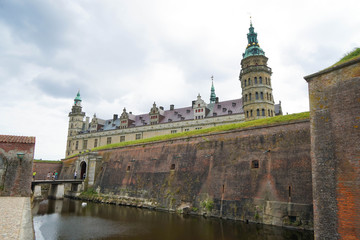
(133, 53)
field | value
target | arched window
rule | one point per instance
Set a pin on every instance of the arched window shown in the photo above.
(263, 112)
(256, 95)
(262, 95)
(249, 82)
(267, 96)
(266, 80)
(255, 164)
(272, 113)
(257, 112)
(247, 113)
(255, 80)
(245, 97)
(270, 96)
(249, 96)
(245, 83)
(269, 112)
(260, 80)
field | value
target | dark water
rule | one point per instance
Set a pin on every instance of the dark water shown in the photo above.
(67, 219)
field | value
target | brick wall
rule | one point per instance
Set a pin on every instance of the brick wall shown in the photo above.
(16, 174)
(335, 152)
(42, 168)
(218, 168)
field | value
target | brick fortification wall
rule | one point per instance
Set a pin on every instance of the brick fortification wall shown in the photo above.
(16, 174)
(216, 174)
(42, 168)
(335, 152)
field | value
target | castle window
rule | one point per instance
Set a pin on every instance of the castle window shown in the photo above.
(76, 145)
(69, 143)
(249, 96)
(249, 81)
(187, 111)
(199, 105)
(245, 83)
(255, 164)
(172, 167)
(122, 138)
(95, 143)
(214, 114)
(257, 95)
(251, 113)
(262, 95)
(128, 168)
(138, 136)
(268, 112)
(229, 112)
(263, 112)
(108, 140)
(266, 81)
(233, 104)
(257, 112)
(169, 120)
(85, 144)
(270, 96)
(255, 80)
(260, 80)
(219, 106)
(247, 113)
(245, 97)
(173, 131)
(224, 109)
(272, 113)
(267, 96)
(186, 129)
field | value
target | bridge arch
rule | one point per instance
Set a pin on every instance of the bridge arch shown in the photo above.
(83, 170)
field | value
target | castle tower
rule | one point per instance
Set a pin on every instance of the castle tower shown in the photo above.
(76, 123)
(258, 101)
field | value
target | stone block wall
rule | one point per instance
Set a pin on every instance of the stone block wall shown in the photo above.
(16, 173)
(42, 168)
(261, 174)
(335, 150)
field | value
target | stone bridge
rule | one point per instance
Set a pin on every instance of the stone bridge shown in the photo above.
(57, 187)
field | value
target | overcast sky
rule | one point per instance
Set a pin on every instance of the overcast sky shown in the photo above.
(132, 53)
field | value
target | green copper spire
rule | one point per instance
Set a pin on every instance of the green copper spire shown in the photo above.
(212, 95)
(253, 47)
(78, 98)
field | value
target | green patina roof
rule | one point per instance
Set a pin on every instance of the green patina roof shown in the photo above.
(212, 95)
(78, 98)
(253, 47)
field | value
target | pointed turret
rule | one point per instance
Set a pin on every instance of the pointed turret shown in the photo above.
(212, 94)
(253, 47)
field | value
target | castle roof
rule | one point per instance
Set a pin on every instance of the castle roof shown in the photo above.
(16, 139)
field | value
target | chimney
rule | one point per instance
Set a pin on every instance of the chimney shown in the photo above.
(217, 100)
(115, 117)
(87, 123)
(172, 107)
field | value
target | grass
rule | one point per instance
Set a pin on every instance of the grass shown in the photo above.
(221, 128)
(348, 57)
(47, 161)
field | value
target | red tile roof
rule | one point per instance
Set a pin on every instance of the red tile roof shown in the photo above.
(16, 139)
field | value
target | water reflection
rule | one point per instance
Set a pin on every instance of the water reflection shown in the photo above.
(67, 219)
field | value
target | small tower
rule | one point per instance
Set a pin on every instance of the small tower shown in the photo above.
(258, 101)
(76, 117)
(212, 95)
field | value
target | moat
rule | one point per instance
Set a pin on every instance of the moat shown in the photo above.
(68, 219)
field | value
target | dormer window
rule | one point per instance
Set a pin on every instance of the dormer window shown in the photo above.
(229, 112)
(233, 104)
(219, 106)
(224, 109)
(187, 111)
(169, 120)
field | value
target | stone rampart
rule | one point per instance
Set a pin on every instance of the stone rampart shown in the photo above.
(335, 152)
(260, 174)
(43, 168)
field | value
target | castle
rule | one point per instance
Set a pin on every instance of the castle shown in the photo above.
(257, 102)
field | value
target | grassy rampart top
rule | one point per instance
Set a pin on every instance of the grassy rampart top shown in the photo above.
(348, 57)
(222, 128)
(47, 161)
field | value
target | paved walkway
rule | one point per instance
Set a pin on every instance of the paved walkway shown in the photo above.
(15, 218)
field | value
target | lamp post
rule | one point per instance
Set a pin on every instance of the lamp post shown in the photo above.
(20, 156)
